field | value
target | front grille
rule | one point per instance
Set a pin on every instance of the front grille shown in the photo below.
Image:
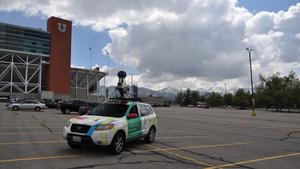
(84, 139)
(80, 128)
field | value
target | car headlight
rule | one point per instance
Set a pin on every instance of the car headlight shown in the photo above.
(68, 124)
(105, 127)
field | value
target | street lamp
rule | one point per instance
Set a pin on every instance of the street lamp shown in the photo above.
(90, 57)
(253, 101)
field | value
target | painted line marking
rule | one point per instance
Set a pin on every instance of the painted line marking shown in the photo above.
(179, 137)
(191, 147)
(37, 133)
(31, 127)
(38, 158)
(61, 141)
(32, 142)
(255, 160)
(178, 155)
(171, 131)
(136, 151)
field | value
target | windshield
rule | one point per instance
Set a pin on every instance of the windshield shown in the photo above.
(111, 110)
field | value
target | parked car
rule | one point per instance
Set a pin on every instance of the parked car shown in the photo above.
(67, 107)
(50, 103)
(27, 104)
(14, 100)
(87, 107)
(112, 124)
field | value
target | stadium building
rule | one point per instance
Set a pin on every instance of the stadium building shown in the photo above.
(35, 63)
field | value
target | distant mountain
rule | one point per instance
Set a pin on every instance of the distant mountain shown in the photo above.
(169, 90)
(169, 93)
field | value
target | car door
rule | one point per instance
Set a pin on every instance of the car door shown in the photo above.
(25, 104)
(134, 124)
(144, 118)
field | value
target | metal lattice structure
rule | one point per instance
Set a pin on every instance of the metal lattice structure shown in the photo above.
(85, 83)
(21, 72)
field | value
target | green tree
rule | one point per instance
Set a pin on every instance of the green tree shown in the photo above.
(194, 97)
(187, 97)
(228, 99)
(279, 92)
(179, 98)
(242, 98)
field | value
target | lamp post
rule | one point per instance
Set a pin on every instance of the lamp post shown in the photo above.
(253, 101)
(90, 57)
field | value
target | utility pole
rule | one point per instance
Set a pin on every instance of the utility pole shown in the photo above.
(131, 84)
(252, 93)
(90, 57)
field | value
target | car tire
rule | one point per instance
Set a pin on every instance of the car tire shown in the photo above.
(67, 111)
(150, 136)
(74, 145)
(117, 144)
(15, 108)
(37, 108)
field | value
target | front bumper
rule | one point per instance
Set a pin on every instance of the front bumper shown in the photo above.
(102, 138)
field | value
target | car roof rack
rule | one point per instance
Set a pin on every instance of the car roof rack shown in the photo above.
(122, 100)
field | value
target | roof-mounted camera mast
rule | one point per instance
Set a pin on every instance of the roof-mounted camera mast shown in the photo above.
(123, 89)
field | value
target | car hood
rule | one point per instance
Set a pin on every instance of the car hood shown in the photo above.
(93, 120)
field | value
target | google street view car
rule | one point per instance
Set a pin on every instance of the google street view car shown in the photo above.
(112, 123)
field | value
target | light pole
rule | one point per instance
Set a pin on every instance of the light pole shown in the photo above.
(253, 101)
(90, 57)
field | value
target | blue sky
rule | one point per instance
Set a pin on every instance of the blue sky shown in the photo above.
(255, 6)
(152, 39)
(82, 38)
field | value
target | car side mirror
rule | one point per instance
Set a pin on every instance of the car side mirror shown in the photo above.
(132, 116)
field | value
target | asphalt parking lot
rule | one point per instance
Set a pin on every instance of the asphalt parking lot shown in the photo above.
(186, 138)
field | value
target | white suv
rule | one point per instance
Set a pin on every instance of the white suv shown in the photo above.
(112, 124)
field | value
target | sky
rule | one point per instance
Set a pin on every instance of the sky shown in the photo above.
(174, 43)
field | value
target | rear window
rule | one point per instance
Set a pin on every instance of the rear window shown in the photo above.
(110, 110)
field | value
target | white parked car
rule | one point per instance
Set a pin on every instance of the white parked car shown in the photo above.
(26, 104)
(112, 124)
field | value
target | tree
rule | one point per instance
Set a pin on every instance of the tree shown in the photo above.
(279, 92)
(194, 97)
(215, 99)
(179, 98)
(241, 98)
(228, 99)
(187, 97)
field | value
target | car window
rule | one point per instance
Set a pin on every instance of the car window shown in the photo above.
(134, 110)
(149, 109)
(143, 109)
(110, 110)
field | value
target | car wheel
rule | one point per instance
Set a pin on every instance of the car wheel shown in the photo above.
(15, 108)
(67, 111)
(74, 145)
(150, 136)
(117, 144)
(37, 108)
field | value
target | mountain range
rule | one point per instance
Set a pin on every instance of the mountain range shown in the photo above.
(169, 92)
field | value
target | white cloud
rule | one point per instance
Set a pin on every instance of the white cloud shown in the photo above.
(192, 43)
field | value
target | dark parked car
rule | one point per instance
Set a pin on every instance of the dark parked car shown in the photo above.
(67, 107)
(51, 103)
(87, 107)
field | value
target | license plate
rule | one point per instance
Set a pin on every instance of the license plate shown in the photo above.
(76, 139)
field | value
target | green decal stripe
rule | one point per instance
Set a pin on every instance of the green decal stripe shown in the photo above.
(107, 121)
